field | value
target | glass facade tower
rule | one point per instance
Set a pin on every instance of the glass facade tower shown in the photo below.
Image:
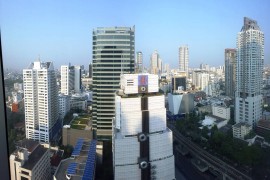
(113, 55)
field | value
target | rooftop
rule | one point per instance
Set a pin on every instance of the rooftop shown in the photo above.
(34, 157)
(264, 123)
(79, 166)
(28, 144)
(238, 125)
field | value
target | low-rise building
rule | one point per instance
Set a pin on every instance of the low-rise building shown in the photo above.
(211, 120)
(180, 103)
(81, 164)
(221, 111)
(240, 130)
(80, 127)
(30, 161)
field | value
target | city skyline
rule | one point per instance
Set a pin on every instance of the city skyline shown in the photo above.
(61, 31)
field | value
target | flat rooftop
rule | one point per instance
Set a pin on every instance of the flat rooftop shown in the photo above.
(28, 144)
(34, 157)
(61, 172)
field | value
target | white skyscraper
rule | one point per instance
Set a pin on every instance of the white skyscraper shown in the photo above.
(70, 79)
(41, 101)
(142, 143)
(156, 63)
(183, 58)
(200, 79)
(249, 69)
(67, 79)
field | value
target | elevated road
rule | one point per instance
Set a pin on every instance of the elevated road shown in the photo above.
(228, 171)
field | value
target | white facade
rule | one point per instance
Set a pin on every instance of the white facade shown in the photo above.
(240, 130)
(200, 79)
(77, 79)
(139, 61)
(78, 101)
(25, 166)
(133, 84)
(155, 63)
(221, 111)
(67, 79)
(40, 100)
(131, 110)
(70, 79)
(249, 69)
(183, 58)
(64, 105)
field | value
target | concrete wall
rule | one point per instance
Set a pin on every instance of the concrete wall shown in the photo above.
(70, 136)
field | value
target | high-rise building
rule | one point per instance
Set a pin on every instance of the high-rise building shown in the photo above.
(67, 79)
(70, 79)
(78, 78)
(154, 62)
(139, 61)
(230, 72)
(200, 79)
(249, 70)
(64, 105)
(179, 83)
(142, 143)
(41, 101)
(183, 58)
(113, 54)
(90, 70)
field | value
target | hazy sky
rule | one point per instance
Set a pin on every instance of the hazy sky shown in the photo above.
(61, 31)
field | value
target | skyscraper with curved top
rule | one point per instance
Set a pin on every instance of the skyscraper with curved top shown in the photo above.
(249, 70)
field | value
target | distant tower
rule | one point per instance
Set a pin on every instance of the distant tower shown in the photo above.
(41, 101)
(230, 72)
(156, 63)
(113, 55)
(249, 70)
(70, 79)
(183, 58)
(139, 62)
(142, 143)
(90, 70)
(200, 79)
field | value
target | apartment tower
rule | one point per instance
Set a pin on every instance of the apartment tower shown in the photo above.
(113, 55)
(183, 58)
(70, 79)
(139, 61)
(230, 72)
(41, 101)
(249, 70)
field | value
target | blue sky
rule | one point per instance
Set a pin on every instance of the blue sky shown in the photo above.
(61, 31)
